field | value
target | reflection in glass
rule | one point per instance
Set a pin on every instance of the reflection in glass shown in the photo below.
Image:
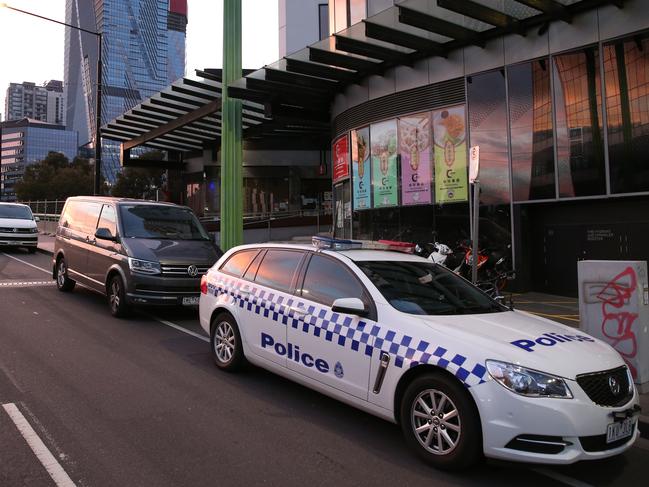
(580, 148)
(488, 129)
(532, 142)
(340, 15)
(357, 11)
(626, 72)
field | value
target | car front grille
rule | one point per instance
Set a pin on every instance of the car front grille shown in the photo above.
(19, 238)
(599, 390)
(182, 270)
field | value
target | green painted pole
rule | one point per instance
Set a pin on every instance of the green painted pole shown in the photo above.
(231, 148)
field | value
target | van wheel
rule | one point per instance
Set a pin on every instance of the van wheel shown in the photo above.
(63, 282)
(440, 422)
(225, 342)
(117, 297)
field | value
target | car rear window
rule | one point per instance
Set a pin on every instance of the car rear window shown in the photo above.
(237, 264)
(278, 269)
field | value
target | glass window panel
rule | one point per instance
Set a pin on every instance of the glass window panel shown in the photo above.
(357, 10)
(340, 15)
(580, 147)
(326, 280)
(278, 268)
(532, 141)
(323, 12)
(626, 72)
(488, 129)
(108, 220)
(238, 263)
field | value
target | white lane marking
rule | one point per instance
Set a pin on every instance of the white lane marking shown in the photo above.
(178, 327)
(27, 263)
(564, 479)
(26, 283)
(53, 467)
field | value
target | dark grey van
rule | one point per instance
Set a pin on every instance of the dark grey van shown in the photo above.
(135, 252)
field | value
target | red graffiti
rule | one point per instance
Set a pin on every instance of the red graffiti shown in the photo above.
(617, 322)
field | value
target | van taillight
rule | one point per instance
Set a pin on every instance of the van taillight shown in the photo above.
(204, 284)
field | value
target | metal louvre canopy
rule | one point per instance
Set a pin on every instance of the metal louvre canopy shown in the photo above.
(306, 81)
(183, 117)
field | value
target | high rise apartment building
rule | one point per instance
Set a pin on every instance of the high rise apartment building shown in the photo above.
(143, 52)
(43, 103)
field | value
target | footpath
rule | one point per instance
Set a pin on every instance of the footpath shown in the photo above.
(558, 308)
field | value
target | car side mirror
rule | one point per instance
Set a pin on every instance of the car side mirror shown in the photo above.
(350, 306)
(104, 234)
(37, 219)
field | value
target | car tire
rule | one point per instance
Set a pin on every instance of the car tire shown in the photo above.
(117, 297)
(225, 343)
(63, 281)
(444, 431)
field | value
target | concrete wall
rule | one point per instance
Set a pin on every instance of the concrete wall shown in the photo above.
(598, 25)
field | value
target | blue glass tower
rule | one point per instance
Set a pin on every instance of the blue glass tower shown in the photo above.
(143, 52)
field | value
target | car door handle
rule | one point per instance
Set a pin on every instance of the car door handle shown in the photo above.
(91, 240)
(299, 311)
(244, 292)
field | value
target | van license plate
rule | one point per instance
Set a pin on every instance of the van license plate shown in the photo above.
(617, 431)
(191, 301)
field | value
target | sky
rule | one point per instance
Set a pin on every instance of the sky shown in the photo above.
(32, 49)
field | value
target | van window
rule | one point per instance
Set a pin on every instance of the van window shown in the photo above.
(164, 222)
(71, 216)
(90, 216)
(238, 263)
(278, 269)
(108, 220)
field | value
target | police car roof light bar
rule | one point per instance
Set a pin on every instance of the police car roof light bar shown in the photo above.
(344, 244)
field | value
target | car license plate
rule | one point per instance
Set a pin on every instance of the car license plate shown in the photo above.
(617, 431)
(190, 301)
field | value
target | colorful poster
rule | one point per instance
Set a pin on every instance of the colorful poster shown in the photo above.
(361, 178)
(341, 158)
(415, 150)
(449, 130)
(384, 164)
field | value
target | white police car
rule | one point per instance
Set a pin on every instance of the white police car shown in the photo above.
(407, 340)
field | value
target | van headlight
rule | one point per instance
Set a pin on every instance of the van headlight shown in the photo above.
(526, 382)
(144, 266)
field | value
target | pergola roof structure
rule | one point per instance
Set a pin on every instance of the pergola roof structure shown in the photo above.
(292, 97)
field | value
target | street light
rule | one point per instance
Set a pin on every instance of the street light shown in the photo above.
(97, 181)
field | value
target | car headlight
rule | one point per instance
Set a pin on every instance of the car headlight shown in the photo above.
(526, 382)
(34, 230)
(144, 266)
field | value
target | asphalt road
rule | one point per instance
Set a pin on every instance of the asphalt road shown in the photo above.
(139, 402)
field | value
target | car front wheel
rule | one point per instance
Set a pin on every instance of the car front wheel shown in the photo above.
(117, 297)
(440, 422)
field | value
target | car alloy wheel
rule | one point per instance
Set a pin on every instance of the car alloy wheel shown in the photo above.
(114, 296)
(63, 282)
(224, 342)
(60, 274)
(436, 422)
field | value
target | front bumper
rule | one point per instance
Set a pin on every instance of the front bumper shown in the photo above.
(577, 422)
(161, 290)
(18, 239)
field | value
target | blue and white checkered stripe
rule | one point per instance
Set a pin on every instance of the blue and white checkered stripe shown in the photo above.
(357, 335)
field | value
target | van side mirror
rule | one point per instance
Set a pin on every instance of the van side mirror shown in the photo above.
(104, 234)
(350, 306)
(37, 219)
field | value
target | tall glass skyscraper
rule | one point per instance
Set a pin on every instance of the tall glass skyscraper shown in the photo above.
(143, 52)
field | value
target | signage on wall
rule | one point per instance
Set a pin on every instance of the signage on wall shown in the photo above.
(361, 177)
(449, 129)
(474, 163)
(341, 158)
(384, 164)
(415, 150)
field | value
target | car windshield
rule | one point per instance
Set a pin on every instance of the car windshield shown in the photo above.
(422, 288)
(15, 212)
(161, 222)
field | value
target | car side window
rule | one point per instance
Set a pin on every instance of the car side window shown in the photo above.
(278, 269)
(237, 264)
(89, 217)
(72, 217)
(327, 280)
(108, 219)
